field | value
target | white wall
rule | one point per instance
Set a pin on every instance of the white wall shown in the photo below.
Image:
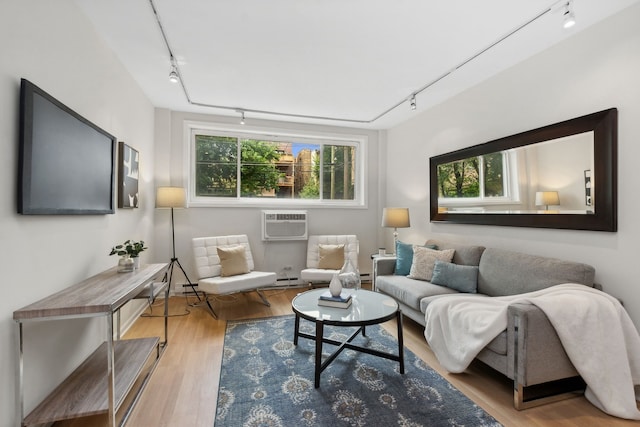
(595, 69)
(271, 256)
(54, 46)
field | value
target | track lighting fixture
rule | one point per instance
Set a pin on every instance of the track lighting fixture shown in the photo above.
(173, 75)
(568, 21)
(569, 18)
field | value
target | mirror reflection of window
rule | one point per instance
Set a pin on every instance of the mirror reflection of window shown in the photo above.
(477, 177)
(507, 181)
(476, 183)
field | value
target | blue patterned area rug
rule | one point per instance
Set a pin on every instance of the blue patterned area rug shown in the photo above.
(266, 381)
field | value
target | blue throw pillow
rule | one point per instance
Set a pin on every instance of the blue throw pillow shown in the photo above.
(463, 278)
(404, 257)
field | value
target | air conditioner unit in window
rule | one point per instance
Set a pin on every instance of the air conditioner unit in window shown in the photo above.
(284, 225)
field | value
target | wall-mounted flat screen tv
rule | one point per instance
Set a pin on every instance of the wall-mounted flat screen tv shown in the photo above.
(66, 163)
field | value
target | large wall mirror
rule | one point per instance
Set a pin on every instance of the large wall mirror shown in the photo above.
(559, 176)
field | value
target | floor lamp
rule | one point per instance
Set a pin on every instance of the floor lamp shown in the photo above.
(173, 197)
(395, 218)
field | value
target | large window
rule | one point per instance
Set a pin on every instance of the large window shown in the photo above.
(235, 168)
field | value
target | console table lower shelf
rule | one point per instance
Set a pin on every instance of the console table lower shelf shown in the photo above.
(84, 392)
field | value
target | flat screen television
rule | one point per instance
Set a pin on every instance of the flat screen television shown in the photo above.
(66, 163)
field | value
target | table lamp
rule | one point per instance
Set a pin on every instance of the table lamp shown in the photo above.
(395, 218)
(546, 198)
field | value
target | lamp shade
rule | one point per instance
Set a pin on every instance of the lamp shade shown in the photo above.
(547, 198)
(395, 217)
(170, 197)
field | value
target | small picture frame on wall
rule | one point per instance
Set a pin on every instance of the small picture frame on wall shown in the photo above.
(128, 170)
(587, 187)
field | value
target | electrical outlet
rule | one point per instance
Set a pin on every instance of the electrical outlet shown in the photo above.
(287, 268)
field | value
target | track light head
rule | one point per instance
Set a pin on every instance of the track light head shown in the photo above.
(412, 101)
(569, 19)
(173, 75)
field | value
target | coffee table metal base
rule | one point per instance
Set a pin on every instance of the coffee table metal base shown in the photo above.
(319, 339)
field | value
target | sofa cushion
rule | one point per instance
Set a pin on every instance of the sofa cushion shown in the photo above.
(464, 255)
(424, 260)
(463, 278)
(409, 291)
(404, 257)
(232, 260)
(504, 272)
(330, 256)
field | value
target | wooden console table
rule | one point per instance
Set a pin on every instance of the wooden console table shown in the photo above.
(103, 381)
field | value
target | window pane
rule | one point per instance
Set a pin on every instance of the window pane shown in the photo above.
(259, 173)
(338, 180)
(459, 179)
(285, 170)
(216, 166)
(493, 175)
(306, 171)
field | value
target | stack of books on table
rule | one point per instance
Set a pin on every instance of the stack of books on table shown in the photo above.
(342, 301)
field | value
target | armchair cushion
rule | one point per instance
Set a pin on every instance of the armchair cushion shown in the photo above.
(220, 285)
(424, 260)
(209, 266)
(233, 260)
(314, 273)
(331, 256)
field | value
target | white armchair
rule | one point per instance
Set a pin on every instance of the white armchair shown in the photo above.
(317, 271)
(225, 266)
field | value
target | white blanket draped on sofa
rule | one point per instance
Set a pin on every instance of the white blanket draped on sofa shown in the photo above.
(595, 330)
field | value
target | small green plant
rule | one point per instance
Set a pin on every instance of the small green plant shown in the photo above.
(130, 247)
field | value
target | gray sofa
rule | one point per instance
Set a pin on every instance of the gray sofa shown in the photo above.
(529, 351)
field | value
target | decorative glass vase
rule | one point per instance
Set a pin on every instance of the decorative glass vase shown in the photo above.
(349, 276)
(125, 264)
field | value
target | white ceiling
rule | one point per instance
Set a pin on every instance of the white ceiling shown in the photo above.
(345, 59)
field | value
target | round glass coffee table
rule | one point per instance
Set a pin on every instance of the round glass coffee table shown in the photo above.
(367, 308)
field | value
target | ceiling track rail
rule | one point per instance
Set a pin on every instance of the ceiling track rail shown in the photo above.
(554, 6)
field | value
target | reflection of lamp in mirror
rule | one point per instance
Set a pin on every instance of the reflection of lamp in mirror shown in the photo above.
(395, 218)
(546, 198)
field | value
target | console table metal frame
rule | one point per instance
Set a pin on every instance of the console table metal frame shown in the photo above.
(319, 339)
(99, 296)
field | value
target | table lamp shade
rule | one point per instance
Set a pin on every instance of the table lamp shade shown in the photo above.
(547, 198)
(170, 197)
(395, 217)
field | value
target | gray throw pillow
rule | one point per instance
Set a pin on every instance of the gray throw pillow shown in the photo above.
(463, 278)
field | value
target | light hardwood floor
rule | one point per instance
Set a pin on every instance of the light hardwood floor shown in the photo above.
(183, 389)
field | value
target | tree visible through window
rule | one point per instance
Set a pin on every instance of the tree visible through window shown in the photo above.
(475, 177)
(236, 167)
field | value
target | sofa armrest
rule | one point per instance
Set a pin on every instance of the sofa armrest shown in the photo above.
(384, 266)
(535, 353)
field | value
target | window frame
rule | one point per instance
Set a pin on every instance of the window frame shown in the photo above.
(276, 135)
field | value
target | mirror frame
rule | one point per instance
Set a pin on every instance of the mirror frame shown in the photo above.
(604, 125)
